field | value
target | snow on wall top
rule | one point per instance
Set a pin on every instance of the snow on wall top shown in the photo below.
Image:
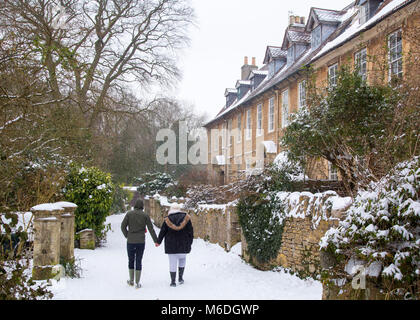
(57, 206)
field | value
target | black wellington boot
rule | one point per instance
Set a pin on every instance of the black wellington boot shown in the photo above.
(180, 274)
(173, 277)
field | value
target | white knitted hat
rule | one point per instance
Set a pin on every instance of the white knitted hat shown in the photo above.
(175, 207)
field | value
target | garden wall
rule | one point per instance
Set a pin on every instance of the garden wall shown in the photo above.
(309, 216)
(214, 223)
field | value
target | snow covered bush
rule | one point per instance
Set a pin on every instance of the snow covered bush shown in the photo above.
(15, 264)
(152, 183)
(93, 191)
(382, 229)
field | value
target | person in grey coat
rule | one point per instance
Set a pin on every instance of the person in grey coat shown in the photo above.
(134, 228)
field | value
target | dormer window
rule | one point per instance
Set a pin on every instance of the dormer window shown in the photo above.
(364, 12)
(275, 59)
(316, 37)
(367, 9)
(291, 55)
(271, 68)
(321, 24)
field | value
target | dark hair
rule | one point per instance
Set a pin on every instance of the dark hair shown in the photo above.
(139, 204)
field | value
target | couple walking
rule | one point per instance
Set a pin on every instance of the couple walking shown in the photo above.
(177, 230)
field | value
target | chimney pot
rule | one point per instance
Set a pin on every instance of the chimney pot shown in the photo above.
(245, 60)
(291, 19)
(302, 20)
(253, 61)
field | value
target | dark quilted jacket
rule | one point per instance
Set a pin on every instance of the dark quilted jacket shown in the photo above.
(177, 230)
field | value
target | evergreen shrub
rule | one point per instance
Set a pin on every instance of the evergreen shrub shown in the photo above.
(93, 192)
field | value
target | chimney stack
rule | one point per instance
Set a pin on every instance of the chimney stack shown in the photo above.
(296, 20)
(246, 68)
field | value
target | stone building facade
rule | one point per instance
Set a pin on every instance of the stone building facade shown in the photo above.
(247, 131)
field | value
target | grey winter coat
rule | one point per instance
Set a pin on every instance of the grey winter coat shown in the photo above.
(134, 225)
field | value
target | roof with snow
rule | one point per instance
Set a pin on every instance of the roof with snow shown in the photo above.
(273, 52)
(295, 34)
(243, 82)
(230, 90)
(325, 15)
(258, 72)
(347, 29)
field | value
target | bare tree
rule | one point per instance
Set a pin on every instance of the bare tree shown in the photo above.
(93, 50)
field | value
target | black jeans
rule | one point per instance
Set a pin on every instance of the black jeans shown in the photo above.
(135, 253)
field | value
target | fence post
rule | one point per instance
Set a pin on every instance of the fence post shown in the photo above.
(67, 230)
(47, 230)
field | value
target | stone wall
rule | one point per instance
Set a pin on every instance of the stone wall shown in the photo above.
(309, 217)
(214, 223)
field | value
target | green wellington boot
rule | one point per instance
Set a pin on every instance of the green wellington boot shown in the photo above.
(138, 275)
(130, 282)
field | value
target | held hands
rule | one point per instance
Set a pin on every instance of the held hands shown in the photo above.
(157, 245)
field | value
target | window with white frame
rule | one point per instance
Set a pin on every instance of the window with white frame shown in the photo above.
(248, 166)
(248, 125)
(271, 114)
(332, 75)
(229, 132)
(302, 94)
(285, 108)
(224, 135)
(360, 61)
(239, 128)
(215, 138)
(332, 172)
(259, 119)
(395, 54)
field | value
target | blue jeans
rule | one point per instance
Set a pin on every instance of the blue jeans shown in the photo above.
(135, 254)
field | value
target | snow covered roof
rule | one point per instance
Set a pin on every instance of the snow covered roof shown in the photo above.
(220, 160)
(347, 29)
(230, 90)
(258, 72)
(243, 82)
(270, 146)
(325, 15)
(273, 52)
(295, 34)
(355, 28)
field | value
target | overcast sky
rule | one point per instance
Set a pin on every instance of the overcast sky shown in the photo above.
(227, 31)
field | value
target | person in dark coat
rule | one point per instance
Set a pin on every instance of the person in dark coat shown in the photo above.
(134, 228)
(178, 232)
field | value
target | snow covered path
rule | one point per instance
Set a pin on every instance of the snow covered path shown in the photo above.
(210, 274)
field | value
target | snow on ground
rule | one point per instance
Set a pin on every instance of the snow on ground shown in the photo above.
(211, 274)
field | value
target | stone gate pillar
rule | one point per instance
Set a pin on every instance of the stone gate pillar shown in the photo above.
(67, 230)
(47, 229)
